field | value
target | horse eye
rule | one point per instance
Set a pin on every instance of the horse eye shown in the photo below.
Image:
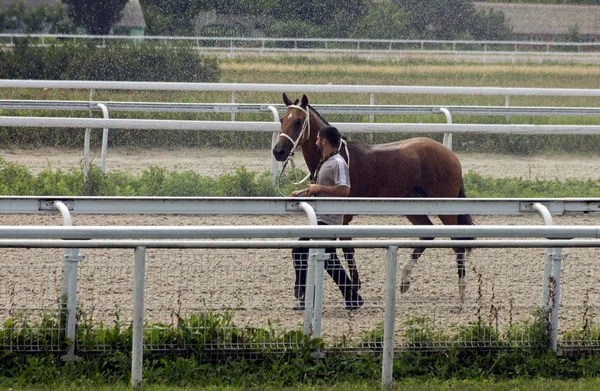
(298, 122)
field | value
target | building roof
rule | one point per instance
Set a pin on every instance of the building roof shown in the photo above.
(548, 19)
(132, 16)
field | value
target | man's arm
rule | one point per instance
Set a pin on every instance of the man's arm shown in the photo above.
(332, 191)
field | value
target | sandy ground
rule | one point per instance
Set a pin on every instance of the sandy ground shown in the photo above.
(505, 285)
(213, 162)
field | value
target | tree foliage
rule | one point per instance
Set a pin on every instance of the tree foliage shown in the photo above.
(175, 17)
(42, 19)
(97, 16)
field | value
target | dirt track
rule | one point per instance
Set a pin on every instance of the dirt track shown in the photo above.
(504, 285)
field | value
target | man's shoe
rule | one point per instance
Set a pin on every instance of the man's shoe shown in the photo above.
(298, 307)
(355, 303)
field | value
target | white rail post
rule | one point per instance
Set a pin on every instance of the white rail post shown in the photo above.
(447, 136)
(319, 262)
(137, 349)
(104, 139)
(274, 140)
(313, 296)
(389, 325)
(556, 260)
(371, 116)
(233, 100)
(548, 256)
(70, 263)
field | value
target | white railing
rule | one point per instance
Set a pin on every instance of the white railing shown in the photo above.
(300, 88)
(333, 46)
(141, 238)
(257, 108)
(22, 236)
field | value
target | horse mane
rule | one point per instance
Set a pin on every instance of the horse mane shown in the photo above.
(324, 120)
(319, 115)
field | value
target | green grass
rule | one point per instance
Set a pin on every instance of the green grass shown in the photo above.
(17, 180)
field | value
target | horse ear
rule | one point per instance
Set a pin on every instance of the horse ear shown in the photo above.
(286, 100)
(304, 101)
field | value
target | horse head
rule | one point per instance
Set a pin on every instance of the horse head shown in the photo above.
(295, 127)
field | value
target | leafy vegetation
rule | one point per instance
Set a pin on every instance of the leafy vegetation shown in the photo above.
(190, 360)
(16, 179)
(75, 61)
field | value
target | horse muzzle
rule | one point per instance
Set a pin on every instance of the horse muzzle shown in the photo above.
(280, 154)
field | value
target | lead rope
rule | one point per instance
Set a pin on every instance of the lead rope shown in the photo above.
(345, 145)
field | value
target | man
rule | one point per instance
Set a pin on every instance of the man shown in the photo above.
(330, 179)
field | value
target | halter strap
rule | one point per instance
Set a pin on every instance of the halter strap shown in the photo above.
(305, 127)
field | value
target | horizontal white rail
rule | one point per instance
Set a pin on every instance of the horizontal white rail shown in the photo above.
(323, 109)
(420, 44)
(279, 244)
(294, 231)
(150, 124)
(288, 205)
(299, 88)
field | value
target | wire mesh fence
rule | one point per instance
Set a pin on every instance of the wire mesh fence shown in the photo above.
(237, 300)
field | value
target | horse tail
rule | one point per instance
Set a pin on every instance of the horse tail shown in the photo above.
(464, 219)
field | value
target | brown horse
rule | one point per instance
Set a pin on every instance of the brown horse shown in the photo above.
(417, 167)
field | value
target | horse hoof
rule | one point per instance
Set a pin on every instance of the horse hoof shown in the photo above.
(404, 286)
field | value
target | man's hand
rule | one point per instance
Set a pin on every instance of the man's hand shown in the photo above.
(314, 189)
(299, 193)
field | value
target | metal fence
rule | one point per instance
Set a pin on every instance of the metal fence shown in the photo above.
(239, 278)
(481, 51)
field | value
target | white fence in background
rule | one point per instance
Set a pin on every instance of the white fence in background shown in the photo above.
(316, 321)
(447, 129)
(512, 51)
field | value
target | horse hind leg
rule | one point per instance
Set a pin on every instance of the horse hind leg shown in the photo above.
(460, 251)
(416, 254)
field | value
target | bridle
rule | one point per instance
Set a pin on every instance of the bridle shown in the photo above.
(305, 128)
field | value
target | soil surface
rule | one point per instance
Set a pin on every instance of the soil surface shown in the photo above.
(504, 285)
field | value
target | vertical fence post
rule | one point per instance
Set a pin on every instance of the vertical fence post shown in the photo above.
(274, 140)
(233, 100)
(447, 141)
(320, 258)
(104, 139)
(309, 293)
(557, 258)
(137, 349)
(371, 116)
(389, 318)
(70, 266)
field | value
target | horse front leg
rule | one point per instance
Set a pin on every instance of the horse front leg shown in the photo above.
(408, 266)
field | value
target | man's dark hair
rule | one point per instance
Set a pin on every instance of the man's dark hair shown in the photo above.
(332, 134)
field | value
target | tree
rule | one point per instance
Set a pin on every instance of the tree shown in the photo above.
(438, 19)
(97, 16)
(383, 21)
(175, 17)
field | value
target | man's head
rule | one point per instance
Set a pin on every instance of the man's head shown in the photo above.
(331, 134)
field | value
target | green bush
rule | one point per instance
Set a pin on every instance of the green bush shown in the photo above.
(115, 62)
